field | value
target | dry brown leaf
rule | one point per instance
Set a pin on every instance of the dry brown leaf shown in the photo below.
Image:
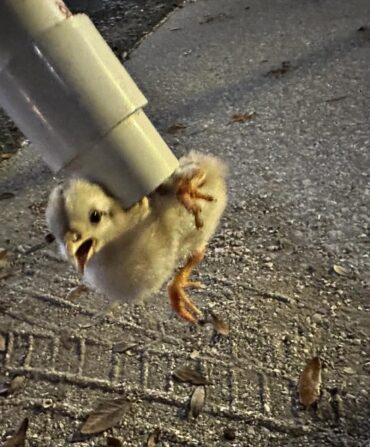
(284, 68)
(114, 442)
(309, 382)
(2, 343)
(242, 117)
(197, 401)
(153, 438)
(107, 414)
(220, 326)
(188, 375)
(19, 437)
(176, 128)
(339, 270)
(6, 195)
(16, 384)
(123, 346)
(4, 261)
(7, 155)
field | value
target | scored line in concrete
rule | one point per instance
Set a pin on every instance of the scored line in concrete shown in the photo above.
(255, 407)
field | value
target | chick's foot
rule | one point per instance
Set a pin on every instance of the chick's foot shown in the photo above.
(188, 192)
(180, 302)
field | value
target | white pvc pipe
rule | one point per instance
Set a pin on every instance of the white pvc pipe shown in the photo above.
(66, 90)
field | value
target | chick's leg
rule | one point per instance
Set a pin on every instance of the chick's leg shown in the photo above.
(188, 191)
(180, 302)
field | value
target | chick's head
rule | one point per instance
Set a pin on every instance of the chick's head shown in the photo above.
(84, 219)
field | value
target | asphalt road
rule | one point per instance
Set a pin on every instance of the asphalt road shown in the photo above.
(288, 268)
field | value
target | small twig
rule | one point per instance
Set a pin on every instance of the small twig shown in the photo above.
(49, 238)
(338, 98)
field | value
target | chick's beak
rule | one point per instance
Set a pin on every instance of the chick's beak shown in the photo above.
(80, 251)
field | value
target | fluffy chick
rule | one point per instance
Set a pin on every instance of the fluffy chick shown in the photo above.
(129, 254)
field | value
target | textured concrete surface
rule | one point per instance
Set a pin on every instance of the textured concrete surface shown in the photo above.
(299, 204)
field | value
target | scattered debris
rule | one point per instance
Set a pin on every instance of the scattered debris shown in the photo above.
(106, 415)
(365, 31)
(49, 238)
(194, 354)
(339, 270)
(125, 55)
(349, 370)
(2, 343)
(7, 155)
(76, 292)
(114, 442)
(123, 346)
(66, 339)
(229, 434)
(4, 388)
(19, 437)
(219, 17)
(7, 274)
(242, 117)
(127, 345)
(16, 384)
(37, 208)
(10, 387)
(5, 265)
(219, 325)
(336, 99)
(153, 438)
(4, 261)
(309, 382)
(6, 195)
(208, 19)
(176, 128)
(188, 375)
(277, 72)
(197, 401)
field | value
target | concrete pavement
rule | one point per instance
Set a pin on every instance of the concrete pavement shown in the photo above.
(299, 205)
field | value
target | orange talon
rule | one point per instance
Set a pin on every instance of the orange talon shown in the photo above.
(187, 192)
(180, 302)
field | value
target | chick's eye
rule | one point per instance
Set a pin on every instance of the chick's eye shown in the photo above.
(95, 216)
